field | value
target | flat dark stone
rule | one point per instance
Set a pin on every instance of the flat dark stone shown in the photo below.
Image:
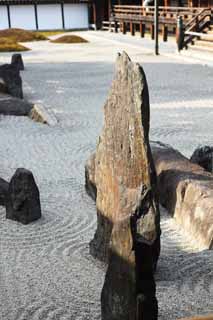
(13, 106)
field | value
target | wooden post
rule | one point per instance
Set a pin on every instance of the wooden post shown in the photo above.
(142, 29)
(132, 28)
(124, 28)
(94, 14)
(8, 16)
(36, 15)
(156, 27)
(180, 34)
(62, 15)
(116, 27)
(109, 8)
(152, 31)
(165, 33)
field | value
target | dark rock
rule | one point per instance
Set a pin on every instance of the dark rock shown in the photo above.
(129, 289)
(3, 87)
(123, 173)
(204, 157)
(23, 200)
(14, 106)
(4, 185)
(123, 160)
(186, 191)
(17, 61)
(11, 77)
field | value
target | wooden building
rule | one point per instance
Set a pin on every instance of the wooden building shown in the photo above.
(102, 9)
(44, 14)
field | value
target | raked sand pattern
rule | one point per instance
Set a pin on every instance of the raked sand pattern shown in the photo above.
(46, 272)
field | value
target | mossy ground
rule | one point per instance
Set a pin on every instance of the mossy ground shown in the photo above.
(69, 39)
(10, 38)
(9, 45)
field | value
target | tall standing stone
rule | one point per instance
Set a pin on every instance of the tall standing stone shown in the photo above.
(125, 181)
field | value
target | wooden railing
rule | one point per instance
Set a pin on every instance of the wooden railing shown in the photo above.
(167, 15)
(195, 27)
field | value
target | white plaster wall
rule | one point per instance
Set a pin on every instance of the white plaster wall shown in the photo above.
(76, 16)
(3, 17)
(22, 16)
(49, 16)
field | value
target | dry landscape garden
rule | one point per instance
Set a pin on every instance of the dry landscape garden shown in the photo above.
(106, 183)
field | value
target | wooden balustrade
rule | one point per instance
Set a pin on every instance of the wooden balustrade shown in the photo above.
(131, 16)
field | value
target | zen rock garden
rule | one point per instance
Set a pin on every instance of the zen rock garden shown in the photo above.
(130, 179)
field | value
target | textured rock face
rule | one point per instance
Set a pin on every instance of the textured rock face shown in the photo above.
(17, 61)
(90, 177)
(129, 288)
(14, 106)
(207, 317)
(123, 160)
(203, 156)
(4, 185)
(23, 200)
(123, 174)
(11, 77)
(186, 190)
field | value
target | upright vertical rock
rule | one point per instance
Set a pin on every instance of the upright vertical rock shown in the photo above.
(17, 61)
(23, 199)
(10, 76)
(124, 177)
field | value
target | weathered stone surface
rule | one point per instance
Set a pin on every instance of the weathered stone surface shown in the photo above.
(14, 106)
(207, 317)
(4, 185)
(123, 173)
(123, 160)
(17, 61)
(186, 190)
(23, 200)
(11, 77)
(203, 156)
(40, 114)
(90, 177)
(129, 289)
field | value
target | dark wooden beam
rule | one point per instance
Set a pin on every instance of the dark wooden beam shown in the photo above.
(36, 15)
(8, 16)
(62, 15)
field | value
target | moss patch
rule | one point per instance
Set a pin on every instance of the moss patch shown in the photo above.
(69, 39)
(50, 33)
(9, 45)
(20, 35)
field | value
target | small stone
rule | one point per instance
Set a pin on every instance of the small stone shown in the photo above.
(17, 61)
(12, 80)
(203, 156)
(23, 200)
